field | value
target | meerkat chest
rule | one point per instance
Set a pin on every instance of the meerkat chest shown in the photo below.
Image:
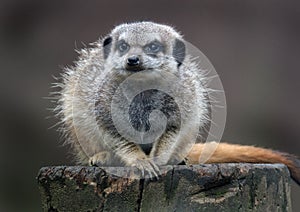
(144, 112)
(148, 107)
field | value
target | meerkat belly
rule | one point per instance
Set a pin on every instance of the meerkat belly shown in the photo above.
(151, 113)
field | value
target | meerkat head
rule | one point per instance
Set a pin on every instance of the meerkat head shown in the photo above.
(143, 46)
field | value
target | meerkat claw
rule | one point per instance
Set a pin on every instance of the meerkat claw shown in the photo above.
(149, 167)
(99, 158)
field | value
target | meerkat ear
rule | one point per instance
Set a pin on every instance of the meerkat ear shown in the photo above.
(107, 46)
(179, 51)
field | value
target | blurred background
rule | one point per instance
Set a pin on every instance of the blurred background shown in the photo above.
(254, 46)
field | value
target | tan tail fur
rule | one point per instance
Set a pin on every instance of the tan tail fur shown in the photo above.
(232, 153)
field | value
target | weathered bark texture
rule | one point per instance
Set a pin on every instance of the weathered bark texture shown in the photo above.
(211, 187)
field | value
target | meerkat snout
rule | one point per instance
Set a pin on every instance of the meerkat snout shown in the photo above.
(134, 63)
(133, 60)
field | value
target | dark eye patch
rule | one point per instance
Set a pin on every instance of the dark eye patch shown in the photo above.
(122, 46)
(153, 47)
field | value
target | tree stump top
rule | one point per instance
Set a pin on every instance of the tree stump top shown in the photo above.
(209, 187)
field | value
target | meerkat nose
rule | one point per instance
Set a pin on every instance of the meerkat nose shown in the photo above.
(133, 61)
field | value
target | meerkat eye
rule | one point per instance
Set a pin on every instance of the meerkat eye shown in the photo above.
(153, 47)
(123, 47)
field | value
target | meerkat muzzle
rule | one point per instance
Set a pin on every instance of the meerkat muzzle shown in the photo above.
(134, 63)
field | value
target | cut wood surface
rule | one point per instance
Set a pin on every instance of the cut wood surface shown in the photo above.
(209, 187)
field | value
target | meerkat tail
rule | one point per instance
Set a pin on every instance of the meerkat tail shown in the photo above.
(233, 153)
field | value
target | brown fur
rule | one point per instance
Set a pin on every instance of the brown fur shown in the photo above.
(233, 153)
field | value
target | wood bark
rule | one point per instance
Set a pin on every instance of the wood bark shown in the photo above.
(209, 187)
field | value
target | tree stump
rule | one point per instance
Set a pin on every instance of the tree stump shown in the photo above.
(209, 187)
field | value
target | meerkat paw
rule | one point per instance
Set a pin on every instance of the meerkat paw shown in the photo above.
(99, 158)
(147, 166)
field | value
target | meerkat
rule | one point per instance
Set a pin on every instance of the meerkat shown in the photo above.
(145, 52)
